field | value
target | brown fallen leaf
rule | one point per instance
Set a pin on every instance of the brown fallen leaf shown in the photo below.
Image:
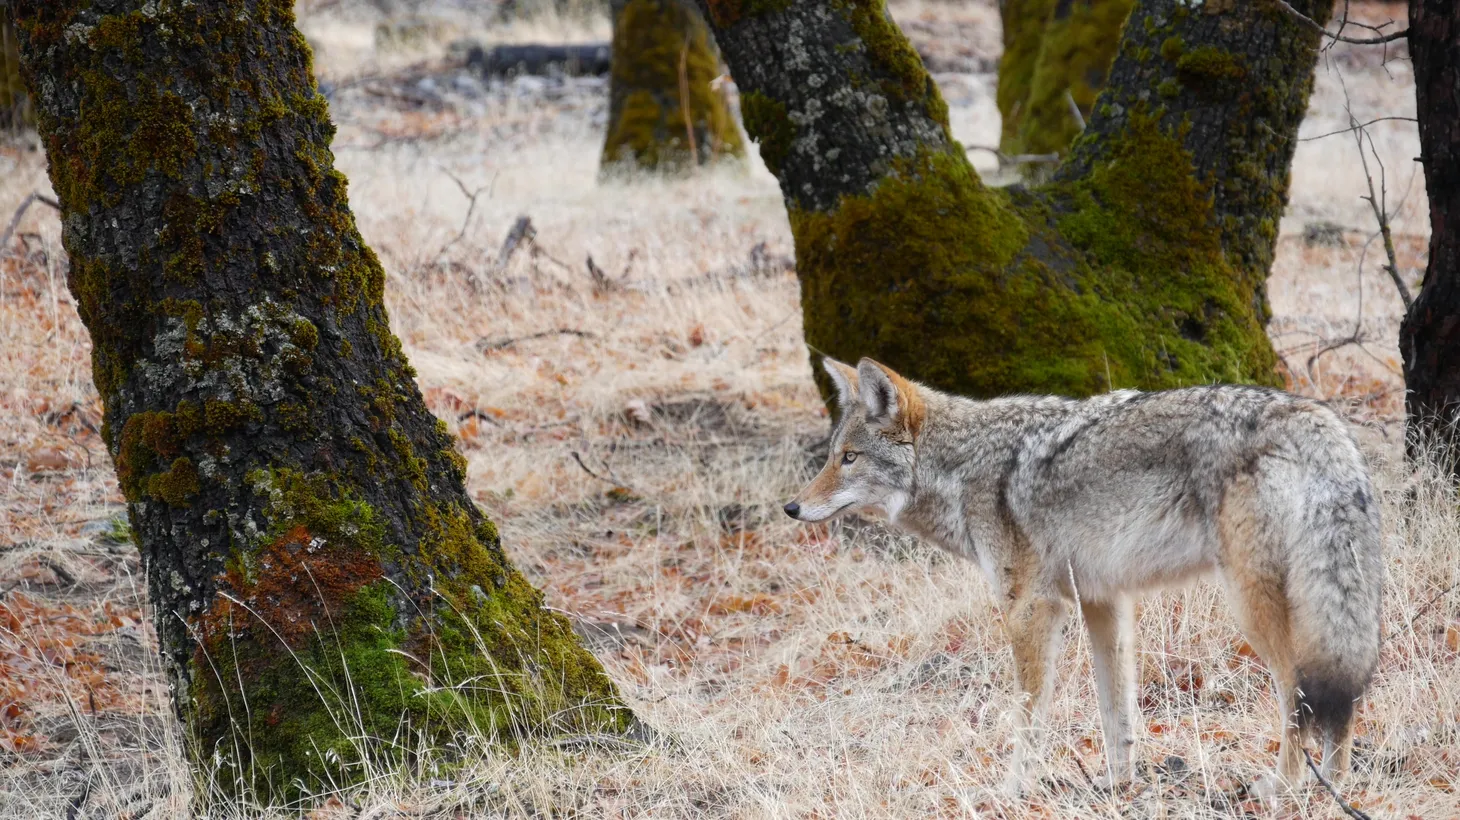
(48, 458)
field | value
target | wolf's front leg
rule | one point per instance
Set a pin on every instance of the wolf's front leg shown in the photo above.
(1112, 645)
(1034, 625)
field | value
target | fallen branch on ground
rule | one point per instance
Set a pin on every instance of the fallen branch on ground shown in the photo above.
(486, 345)
(611, 478)
(1337, 798)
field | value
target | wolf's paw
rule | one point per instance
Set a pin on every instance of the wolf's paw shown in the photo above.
(1113, 783)
(1013, 787)
(1269, 788)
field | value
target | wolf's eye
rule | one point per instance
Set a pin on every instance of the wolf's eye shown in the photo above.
(848, 457)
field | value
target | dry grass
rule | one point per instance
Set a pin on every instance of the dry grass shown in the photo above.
(792, 670)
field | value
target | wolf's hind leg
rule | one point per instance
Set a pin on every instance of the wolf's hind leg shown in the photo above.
(1261, 608)
(1112, 644)
(1336, 751)
(1034, 625)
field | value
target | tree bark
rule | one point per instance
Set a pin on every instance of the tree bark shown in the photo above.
(326, 594)
(1076, 45)
(1430, 336)
(663, 114)
(1142, 264)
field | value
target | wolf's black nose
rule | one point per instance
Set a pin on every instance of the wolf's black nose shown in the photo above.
(793, 509)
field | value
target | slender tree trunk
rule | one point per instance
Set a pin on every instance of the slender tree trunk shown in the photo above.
(1430, 336)
(663, 114)
(1142, 264)
(1024, 23)
(1077, 44)
(325, 591)
(14, 104)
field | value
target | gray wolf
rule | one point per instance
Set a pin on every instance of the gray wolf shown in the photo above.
(1085, 503)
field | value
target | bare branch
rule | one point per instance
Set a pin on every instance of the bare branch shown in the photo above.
(1378, 203)
(1355, 127)
(1312, 24)
(30, 199)
(471, 197)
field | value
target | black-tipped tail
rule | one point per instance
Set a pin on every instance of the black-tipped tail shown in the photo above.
(1326, 703)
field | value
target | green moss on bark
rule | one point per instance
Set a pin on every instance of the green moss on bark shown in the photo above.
(663, 113)
(1117, 280)
(892, 53)
(1024, 22)
(1076, 48)
(312, 620)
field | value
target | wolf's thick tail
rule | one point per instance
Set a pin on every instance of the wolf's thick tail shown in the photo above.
(1335, 581)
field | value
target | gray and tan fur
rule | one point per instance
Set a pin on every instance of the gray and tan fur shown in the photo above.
(1069, 503)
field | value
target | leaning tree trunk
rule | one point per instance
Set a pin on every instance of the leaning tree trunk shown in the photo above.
(1142, 264)
(663, 113)
(1072, 47)
(324, 589)
(1430, 336)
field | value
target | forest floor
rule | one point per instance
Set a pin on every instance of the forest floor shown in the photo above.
(634, 424)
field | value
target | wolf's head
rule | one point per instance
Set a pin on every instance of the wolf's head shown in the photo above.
(870, 468)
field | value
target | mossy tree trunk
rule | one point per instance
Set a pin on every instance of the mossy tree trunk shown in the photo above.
(1024, 22)
(1430, 336)
(325, 591)
(663, 113)
(1049, 61)
(14, 104)
(1142, 264)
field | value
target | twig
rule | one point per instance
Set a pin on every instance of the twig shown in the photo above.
(471, 197)
(30, 199)
(1355, 127)
(477, 414)
(1313, 25)
(1074, 109)
(486, 345)
(611, 479)
(1342, 804)
(1431, 602)
(602, 283)
(1378, 203)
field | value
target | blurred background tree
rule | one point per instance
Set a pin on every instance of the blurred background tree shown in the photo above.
(14, 103)
(665, 114)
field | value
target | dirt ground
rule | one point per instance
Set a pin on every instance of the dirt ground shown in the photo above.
(792, 670)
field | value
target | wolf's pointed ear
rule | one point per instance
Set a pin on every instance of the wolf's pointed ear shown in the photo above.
(893, 403)
(844, 376)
